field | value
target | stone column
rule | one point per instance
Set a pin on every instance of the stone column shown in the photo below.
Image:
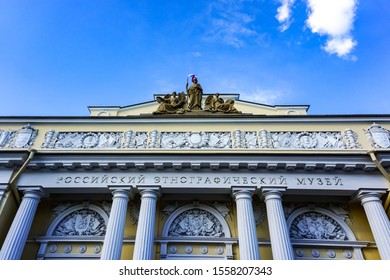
(280, 237)
(378, 220)
(15, 241)
(144, 239)
(113, 241)
(247, 238)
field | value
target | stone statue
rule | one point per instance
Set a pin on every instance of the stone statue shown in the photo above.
(214, 103)
(171, 104)
(194, 93)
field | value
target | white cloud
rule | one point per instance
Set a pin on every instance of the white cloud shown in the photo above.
(331, 18)
(264, 96)
(340, 46)
(334, 19)
(230, 24)
(284, 14)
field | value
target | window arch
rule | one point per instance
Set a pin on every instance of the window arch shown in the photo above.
(77, 233)
(319, 228)
(199, 231)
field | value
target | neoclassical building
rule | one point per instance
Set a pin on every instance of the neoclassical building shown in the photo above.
(230, 180)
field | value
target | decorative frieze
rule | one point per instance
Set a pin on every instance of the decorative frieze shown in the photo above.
(22, 138)
(217, 140)
(135, 140)
(195, 140)
(378, 136)
(82, 140)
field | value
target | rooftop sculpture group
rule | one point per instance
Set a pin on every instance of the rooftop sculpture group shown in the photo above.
(180, 103)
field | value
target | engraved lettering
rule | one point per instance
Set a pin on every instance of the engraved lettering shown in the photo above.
(114, 179)
(165, 178)
(338, 181)
(217, 180)
(199, 179)
(59, 179)
(272, 181)
(174, 180)
(328, 182)
(105, 179)
(85, 179)
(282, 180)
(301, 181)
(319, 181)
(68, 180)
(131, 180)
(141, 179)
(311, 180)
(226, 180)
(77, 180)
(183, 180)
(123, 180)
(245, 180)
(95, 180)
(253, 180)
(262, 180)
(157, 180)
(207, 181)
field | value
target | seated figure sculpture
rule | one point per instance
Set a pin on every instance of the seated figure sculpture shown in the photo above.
(171, 104)
(214, 103)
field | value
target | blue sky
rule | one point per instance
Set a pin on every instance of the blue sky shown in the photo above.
(57, 57)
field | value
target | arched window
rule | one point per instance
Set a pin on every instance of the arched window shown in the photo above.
(317, 233)
(196, 232)
(78, 232)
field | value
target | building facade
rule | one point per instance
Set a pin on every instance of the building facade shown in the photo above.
(230, 180)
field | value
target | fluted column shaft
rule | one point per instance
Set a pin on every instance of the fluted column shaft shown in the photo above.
(280, 238)
(247, 238)
(144, 239)
(378, 220)
(113, 241)
(16, 238)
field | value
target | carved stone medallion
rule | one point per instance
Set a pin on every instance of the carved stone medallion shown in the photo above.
(379, 137)
(90, 140)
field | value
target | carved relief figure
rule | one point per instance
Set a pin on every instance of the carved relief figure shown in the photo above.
(194, 93)
(313, 225)
(196, 222)
(171, 103)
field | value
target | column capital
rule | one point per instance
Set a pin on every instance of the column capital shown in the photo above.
(150, 191)
(366, 195)
(271, 192)
(239, 192)
(33, 191)
(126, 191)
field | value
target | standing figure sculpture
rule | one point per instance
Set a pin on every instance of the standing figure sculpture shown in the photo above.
(194, 93)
